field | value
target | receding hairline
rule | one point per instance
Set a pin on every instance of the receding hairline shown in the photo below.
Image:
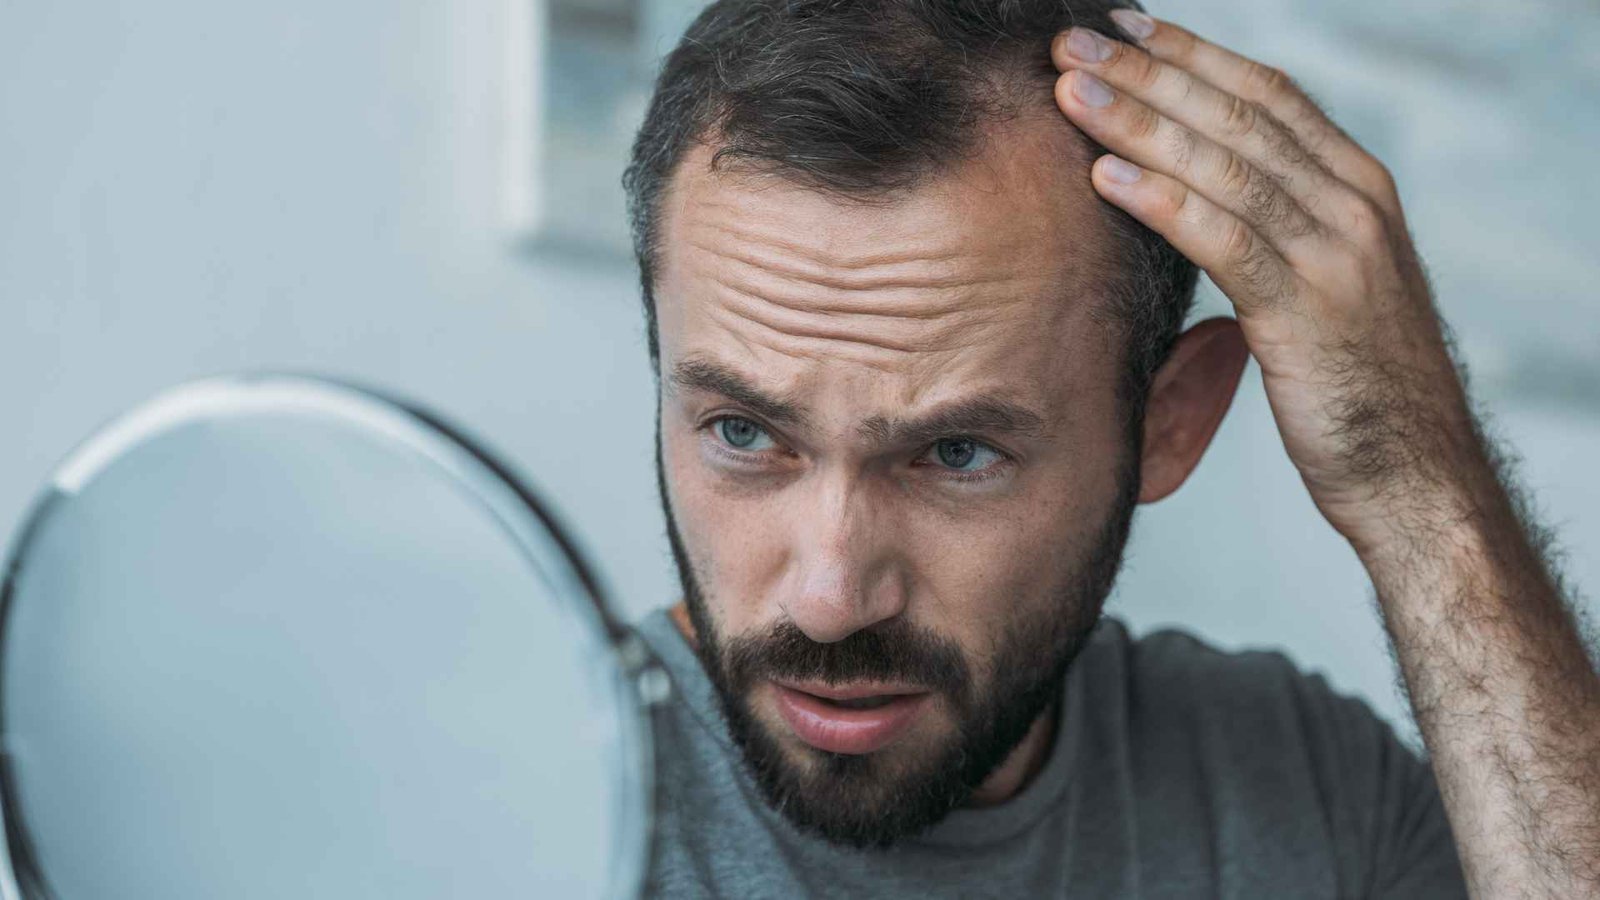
(874, 94)
(1022, 101)
(1061, 141)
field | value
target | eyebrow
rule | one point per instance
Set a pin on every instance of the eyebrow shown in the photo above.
(699, 374)
(972, 416)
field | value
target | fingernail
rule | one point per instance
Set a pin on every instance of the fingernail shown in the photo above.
(1121, 171)
(1091, 90)
(1135, 23)
(1088, 46)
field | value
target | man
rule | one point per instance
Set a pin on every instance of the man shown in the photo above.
(917, 338)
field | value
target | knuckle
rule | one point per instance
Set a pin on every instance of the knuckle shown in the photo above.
(1238, 243)
(1263, 277)
(1286, 151)
(1266, 81)
(1145, 124)
(1146, 71)
(1314, 131)
(1240, 116)
(1186, 88)
(1377, 176)
(1281, 143)
(1311, 201)
(1302, 224)
(1181, 143)
(1188, 207)
(1177, 205)
(1367, 224)
(1235, 179)
(1178, 43)
(1263, 201)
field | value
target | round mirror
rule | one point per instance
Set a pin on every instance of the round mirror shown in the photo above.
(272, 636)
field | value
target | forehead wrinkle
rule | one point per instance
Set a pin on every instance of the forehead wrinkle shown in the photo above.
(874, 244)
(740, 238)
(833, 354)
(727, 240)
(898, 295)
(949, 332)
(949, 315)
(913, 267)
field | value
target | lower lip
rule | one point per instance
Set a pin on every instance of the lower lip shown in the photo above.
(837, 729)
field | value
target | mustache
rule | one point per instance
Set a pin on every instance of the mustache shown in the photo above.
(894, 650)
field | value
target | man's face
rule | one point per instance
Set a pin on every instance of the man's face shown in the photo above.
(894, 466)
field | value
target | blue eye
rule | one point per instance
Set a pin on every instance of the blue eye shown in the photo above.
(741, 433)
(964, 454)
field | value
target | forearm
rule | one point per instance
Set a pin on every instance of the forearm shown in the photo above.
(1503, 690)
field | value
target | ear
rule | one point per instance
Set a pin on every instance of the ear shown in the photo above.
(1189, 395)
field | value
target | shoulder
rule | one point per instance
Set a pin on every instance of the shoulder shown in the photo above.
(1171, 656)
(1250, 726)
(1275, 752)
(1176, 676)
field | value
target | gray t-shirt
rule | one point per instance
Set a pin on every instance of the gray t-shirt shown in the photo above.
(1178, 770)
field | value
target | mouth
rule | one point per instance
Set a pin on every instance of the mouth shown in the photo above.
(850, 719)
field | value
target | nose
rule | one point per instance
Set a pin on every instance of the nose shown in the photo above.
(845, 570)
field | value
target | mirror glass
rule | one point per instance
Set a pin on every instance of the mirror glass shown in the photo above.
(273, 637)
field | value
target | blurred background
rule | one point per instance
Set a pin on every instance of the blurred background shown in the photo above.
(423, 195)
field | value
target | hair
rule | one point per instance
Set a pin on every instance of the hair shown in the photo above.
(866, 99)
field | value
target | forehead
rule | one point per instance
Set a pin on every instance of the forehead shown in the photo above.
(987, 275)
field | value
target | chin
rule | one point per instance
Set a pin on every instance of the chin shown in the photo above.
(866, 800)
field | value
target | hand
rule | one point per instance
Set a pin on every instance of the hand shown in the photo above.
(1302, 229)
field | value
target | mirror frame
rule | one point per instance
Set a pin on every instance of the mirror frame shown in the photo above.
(464, 461)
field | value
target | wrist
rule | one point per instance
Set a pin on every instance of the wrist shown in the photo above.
(1441, 485)
(1433, 529)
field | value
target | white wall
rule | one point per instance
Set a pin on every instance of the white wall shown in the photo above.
(188, 188)
(195, 187)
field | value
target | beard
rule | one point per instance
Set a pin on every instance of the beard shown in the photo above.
(873, 800)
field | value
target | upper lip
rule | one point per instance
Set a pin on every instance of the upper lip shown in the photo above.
(849, 691)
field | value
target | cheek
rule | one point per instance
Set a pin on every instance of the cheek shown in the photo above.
(980, 575)
(731, 541)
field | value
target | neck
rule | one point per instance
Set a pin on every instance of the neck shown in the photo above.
(1024, 762)
(1019, 768)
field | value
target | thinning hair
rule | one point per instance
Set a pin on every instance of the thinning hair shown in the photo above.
(868, 99)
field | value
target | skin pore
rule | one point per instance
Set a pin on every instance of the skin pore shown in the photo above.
(901, 417)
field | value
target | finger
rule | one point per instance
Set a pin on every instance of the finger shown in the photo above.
(1241, 125)
(1275, 90)
(1138, 133)
(1242, 263)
